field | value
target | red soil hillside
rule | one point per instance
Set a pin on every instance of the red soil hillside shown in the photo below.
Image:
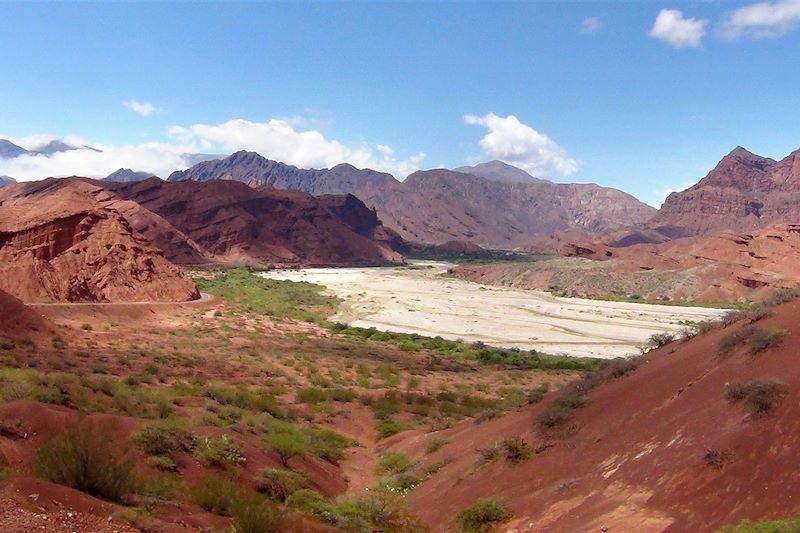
(59, 243)
(660, 449)
(18, 321)
(232, 222)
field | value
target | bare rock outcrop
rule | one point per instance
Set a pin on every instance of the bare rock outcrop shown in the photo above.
(59, 243)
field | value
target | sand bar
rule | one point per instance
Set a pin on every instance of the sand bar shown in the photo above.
(419, 299)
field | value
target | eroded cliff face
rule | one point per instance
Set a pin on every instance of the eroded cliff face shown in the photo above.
(743, 192)
(59, 244)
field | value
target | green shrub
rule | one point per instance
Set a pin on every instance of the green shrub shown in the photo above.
(306, 501)
(253, 514)
(277, 484)
(327, 444)
(734, 339)
(219, 451)
(214, 493)
(342, 395)
(387, 428)
(759, 396)
(287, 444)
(378, 511)
(483, 515)
(394, 463)
(89, 460)
(311, 395)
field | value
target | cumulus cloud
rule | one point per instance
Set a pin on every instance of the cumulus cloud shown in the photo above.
(676, 30)
(763, 19)
(518, 144)
(144, 109)
(275, 139)
(591, 25)
(282, 140)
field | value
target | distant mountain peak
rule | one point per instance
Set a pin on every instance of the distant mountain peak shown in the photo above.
(10, 150)
(126, 175)
(496, 170)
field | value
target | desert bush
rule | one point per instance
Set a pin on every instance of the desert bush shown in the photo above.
(622, 366)
(253, 514)
(763, 339)
(287, 444)
(306, 501)
(436, 444)
(311, 395)
(394, 463)
(387, 428)
(214, 493)
(516, 450)
(657, 340)
(734, 339)
(86, 458)
(489, 454)
(327, 444)
(219, 451)
(278, 484)
(164, 440)
(552, 416)
(782, 296)
(342, 395)
(717, 458)
(483, 515)
(759, 396)
(379, 510)
(537, 394)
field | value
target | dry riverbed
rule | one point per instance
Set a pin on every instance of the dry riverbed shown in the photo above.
(418, 299)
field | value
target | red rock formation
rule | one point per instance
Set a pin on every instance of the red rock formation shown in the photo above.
(743, 192)
(58, 243)
(232, 222)
(19, 321)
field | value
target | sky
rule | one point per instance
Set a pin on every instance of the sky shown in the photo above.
(645, 96)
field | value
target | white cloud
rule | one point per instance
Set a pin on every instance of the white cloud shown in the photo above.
(275, 139)
(280, 139)
(591, 25)
(160, 159)
(520, 145)
(144, 109)
(671, 27)
(763, 19)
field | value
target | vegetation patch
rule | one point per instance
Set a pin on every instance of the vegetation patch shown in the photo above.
(88, 459)
(483, 515)
(277, 485)
(791, 525)
(759, 396)
(250, 292)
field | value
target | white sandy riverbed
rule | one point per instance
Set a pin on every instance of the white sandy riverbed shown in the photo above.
(420, 300)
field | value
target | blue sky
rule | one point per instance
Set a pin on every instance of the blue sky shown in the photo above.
(643, 96)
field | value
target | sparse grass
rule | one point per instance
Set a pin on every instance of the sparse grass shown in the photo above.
(88, 459)
(759, 396)
(477, 351)
(436, 444)
(214, 493)
(791, 525)
(483, 515)
(164, 440)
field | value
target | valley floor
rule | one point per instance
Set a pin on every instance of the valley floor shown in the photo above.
(418, 299)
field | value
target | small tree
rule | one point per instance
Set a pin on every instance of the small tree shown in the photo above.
(287, 445)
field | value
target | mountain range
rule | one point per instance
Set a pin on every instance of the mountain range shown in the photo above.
(493, 205)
